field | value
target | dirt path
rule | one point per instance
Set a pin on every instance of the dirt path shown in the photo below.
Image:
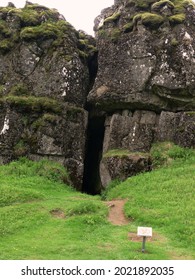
(116, 214)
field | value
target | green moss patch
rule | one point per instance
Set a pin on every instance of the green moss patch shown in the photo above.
(43, 31)
(4, 30)
(149, 19)
(6, 45)
(158, 5)
(177, 19)
(128, 27)
(19, 90)
(112, 18)
(121, 153)
(33, 103)
(142, 4)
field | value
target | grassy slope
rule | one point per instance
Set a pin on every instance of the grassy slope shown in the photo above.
(164, 199)
(30, 191)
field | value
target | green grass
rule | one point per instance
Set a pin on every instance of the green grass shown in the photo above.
(164, 200)
(32, 191)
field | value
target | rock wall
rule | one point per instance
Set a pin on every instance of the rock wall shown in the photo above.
(145, 82)
(44, 80)
(129, 137)
(138, 88)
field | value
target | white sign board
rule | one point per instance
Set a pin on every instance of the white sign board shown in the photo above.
(144, 231)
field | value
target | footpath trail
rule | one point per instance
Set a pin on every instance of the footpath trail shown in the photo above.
(116, 214)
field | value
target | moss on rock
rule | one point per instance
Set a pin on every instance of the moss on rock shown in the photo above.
(33, 103)
(158, 5)
(149, 19)
(112, 18)
(177, 19)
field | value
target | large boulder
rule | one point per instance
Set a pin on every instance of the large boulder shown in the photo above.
(45, 76)
(145, 82)
(146, 56)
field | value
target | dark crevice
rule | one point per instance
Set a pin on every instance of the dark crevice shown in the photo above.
(93, 68)
(94, 147)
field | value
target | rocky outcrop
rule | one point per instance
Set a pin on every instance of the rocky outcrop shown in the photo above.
(129, 137)
(146, 56)
(97, 113)
(145, 82)
(45, 76)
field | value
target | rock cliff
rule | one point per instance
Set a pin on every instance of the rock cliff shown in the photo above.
(97, 105)
(45, 76)
(145, 81)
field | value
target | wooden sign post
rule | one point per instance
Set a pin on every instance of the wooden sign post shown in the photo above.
(145, 232)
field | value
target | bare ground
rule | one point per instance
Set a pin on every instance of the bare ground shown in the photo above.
(116, 214)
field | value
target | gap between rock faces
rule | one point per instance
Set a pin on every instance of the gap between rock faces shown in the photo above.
(116, 214)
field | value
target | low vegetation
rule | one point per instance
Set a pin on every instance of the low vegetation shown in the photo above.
(38, 104)
(43, 218)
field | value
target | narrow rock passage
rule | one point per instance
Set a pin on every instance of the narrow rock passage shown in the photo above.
(116, 214)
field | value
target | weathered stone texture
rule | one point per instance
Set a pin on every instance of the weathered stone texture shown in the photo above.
(45, 77)
(122, 167)
(149, 66)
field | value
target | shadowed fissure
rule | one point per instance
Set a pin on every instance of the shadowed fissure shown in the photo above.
(94, 147)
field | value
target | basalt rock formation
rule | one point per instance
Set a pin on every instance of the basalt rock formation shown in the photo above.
(145, 82)
(45, 76)
(97, 105)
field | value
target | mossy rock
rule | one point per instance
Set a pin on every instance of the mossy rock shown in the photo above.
(29, 17)
(141, 4)
(128, 27)
(174, 42)
(19, 90)
(149, 19)
(42, 121)
(6, 45)
(122, 153)
(20, 149)
(43, 31)
(158, 5)
(4, 30)
(37, 104)
(177, 19)
(112, 18)
(181, 5)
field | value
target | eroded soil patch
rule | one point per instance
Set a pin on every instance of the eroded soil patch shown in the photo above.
(116, 214)
(57, 213)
